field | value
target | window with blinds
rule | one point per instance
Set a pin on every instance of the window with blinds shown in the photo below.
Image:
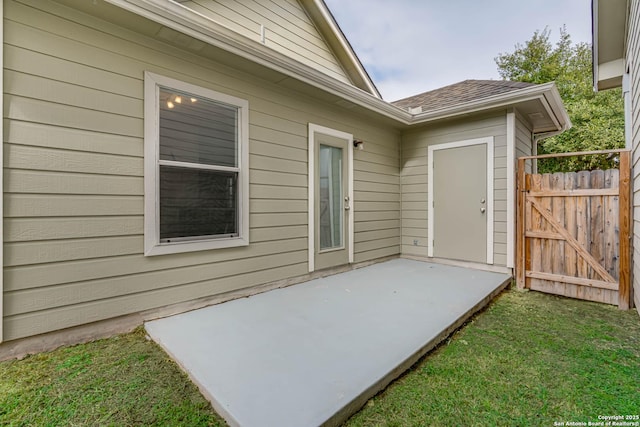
(198, 178)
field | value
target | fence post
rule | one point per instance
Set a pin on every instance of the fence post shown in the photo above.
(520, 226)
(624, 289)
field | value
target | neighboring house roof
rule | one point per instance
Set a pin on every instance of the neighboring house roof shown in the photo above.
(609, 25)
(459, 93)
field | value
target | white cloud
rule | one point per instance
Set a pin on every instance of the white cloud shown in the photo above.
(411, 46)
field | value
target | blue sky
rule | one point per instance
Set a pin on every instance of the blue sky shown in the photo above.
(411, 46)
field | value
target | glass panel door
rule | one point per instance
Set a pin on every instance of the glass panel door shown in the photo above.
(331, 197)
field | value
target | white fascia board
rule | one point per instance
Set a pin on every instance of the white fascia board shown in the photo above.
(346, 46)
(187, 21)
(501, 100)
(610, 70)
(609, 27)
(594, 42)
(557, 111)
(180, 18)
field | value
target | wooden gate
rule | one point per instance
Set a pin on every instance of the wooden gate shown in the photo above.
(573, 234)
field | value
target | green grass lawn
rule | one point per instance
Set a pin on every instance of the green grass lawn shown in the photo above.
(529, 359)
(122, 381)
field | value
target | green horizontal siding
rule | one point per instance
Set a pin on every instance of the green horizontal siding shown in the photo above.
(73, 250)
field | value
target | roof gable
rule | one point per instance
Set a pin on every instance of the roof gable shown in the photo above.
(171, 22)
(329, 28)
(303, 30)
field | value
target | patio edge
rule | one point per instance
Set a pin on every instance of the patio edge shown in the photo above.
(356, 404)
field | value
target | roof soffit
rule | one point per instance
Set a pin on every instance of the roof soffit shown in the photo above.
(609, 21)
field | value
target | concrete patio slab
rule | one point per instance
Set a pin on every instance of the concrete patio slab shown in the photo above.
(313, 353)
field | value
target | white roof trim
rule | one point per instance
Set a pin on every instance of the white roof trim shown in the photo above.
(196, 25)
(594, 43)
(543, 92)
(346, 46)
(609, 26)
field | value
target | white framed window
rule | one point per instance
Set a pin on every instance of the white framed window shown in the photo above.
(196, 168)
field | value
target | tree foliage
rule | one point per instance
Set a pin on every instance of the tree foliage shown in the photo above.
(598, 118)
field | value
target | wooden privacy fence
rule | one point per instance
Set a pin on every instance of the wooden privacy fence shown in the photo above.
(573, 234)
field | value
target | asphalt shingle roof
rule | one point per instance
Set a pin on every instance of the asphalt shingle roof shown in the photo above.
(459, 93)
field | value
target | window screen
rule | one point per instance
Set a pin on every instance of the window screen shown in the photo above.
(198, 162)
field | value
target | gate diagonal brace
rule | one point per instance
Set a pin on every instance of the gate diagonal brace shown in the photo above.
(590, 260)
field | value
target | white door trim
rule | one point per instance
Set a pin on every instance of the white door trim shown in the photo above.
(313, 128)
(489, 142)
(511, 176)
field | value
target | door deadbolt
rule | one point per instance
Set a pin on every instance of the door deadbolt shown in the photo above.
(483, 201)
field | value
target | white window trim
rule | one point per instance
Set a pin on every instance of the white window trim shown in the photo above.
(152, 245)
(489, 141)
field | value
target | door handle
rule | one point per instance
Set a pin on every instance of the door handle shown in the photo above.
(347, 207)
(483, 210)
